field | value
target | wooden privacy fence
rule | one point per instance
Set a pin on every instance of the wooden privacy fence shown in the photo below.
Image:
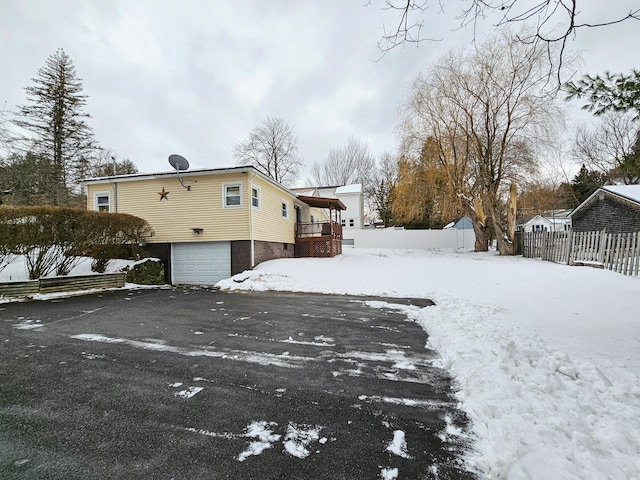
(619, 252)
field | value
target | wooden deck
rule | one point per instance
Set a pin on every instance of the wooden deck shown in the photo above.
(318, 239)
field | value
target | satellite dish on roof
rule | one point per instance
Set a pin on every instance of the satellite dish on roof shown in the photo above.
(179, 163)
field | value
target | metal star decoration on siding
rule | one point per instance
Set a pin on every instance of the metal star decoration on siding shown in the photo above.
(163, 194)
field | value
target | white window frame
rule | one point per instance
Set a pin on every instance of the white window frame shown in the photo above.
(96, 205)
(225, 186)
(257, 198)
(284, 209)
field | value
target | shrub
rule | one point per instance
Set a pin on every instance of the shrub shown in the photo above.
(56, 238)
(109, 235)
(149, 271)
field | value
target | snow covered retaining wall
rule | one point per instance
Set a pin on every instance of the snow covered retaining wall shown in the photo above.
(62, 284)
(400, 238)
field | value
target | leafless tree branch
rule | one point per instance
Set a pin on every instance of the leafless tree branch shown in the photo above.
(555, 21)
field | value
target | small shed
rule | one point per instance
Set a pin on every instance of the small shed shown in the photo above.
(614, 207)
(462, 223)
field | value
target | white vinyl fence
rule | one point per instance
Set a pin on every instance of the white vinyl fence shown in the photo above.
(400, 238)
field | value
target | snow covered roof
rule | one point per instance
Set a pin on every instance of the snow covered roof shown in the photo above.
(305, 191)
(628, 192)
(631, 192)
(537, 219)
(353, 188)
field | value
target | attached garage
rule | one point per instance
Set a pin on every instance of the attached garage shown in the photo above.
(200, 263)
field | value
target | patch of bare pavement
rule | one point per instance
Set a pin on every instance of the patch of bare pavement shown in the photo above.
(200, 384)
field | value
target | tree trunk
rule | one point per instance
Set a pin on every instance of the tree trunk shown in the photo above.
(505, 243)
(481, 226)
(483, 236)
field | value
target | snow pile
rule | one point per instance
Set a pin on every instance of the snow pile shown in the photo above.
(299, 437)
(264, 437)
(16, 271)
(189, 392)
(398, 445)
(389, 473)
(545, 356)
(535, 411)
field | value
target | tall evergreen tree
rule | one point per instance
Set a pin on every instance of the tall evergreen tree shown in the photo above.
(629, 167)
(55, 118)
(585, 183)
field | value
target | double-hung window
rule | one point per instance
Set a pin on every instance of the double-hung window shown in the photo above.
(285, 209)
(232, 195)
(101, 201)
(255, 197)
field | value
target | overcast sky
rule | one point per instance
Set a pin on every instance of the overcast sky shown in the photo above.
(194, 77)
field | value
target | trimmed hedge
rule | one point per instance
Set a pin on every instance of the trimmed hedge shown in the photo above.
(55, 238)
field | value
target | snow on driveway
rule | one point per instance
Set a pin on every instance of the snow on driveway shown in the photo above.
(546, 356)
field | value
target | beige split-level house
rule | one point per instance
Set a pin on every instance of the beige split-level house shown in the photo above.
(210, 224)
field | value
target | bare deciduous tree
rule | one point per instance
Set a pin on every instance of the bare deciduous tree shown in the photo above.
(608, 146)
(350, 164)
(487, 116)
(427, 191)
(28, 179)
(272, 148)
(4, 131)
(107, 163)
(380, 191)
(554, 22)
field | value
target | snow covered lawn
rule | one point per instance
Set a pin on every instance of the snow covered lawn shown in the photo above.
(16, 271)
(546, 356)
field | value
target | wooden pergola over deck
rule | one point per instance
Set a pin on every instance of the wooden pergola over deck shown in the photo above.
(320, 239)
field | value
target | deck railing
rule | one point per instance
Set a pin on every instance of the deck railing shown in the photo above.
(318, 239)
(319, 229)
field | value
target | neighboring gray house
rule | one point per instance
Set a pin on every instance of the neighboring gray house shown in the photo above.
(614, 207)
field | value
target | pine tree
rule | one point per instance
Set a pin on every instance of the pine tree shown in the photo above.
(629, 167)
(609, 92)
(55, 118)
(585, 183)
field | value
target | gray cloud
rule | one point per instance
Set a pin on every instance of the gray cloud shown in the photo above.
(194, 77)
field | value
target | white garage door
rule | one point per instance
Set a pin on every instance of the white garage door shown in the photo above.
(202, 263)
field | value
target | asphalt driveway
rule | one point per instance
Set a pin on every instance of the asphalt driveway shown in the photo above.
(201, 384)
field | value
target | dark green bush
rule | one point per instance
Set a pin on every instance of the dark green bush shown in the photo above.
(148, 272)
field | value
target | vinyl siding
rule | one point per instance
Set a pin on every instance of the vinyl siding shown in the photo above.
(268, 223)
(173, 219)
(319, 214)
